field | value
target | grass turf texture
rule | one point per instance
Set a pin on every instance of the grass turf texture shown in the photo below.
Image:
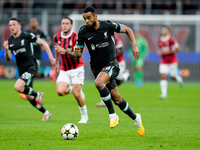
(170, 124)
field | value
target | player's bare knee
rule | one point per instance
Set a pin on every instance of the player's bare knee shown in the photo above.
(18, 88)
(99, 85)
(163, 76)
(60, 93)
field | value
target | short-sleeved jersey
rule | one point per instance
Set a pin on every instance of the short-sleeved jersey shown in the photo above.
(37, 48)
(100, 42)
(22, 47)
(168, 43)
(118, 44)
(68, 42)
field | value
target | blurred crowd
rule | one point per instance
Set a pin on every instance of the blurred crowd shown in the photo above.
(108, 6)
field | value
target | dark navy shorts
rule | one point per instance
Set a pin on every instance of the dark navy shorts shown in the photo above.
(28, 76)
(112, 69)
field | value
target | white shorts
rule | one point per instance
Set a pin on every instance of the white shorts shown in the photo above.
(122, 67)
(74, 76)
(168, 68)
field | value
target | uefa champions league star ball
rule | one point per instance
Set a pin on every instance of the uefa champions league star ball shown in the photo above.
(69, 131)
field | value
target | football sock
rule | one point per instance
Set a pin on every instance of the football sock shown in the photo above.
(127, 110)
(28, 90)
(163, 86)
(46, 112)
(34, 103)
(179, 79)
(83, 111)
(138, 76)
(106, 98)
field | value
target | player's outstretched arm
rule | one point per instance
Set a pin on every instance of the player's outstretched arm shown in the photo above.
(7, 55)
(47, 49)
(131, 36)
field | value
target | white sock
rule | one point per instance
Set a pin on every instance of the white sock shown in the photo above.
(83, 111)
(46, 112)
(70, 89)
(179, 79)
(163, 87)
(126, 75)
(112, 115)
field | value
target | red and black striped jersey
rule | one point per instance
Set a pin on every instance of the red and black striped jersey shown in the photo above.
(68, 42)
(118, 44)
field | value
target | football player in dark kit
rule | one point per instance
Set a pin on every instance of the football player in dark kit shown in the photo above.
(99, 39)
(39, 33)
(20, 43)
(33, 25)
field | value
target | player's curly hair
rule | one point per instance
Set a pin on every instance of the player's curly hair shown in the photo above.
(89, 9)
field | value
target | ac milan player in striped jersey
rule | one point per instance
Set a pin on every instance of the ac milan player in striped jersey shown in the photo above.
(71, 74)
(169, 62)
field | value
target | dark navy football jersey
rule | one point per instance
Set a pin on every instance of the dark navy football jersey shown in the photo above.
(22, 47)
(37, 48)
(100, 42)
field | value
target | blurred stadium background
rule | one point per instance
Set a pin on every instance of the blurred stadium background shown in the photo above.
(148, 16)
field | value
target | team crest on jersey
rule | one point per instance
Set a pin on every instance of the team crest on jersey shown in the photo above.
(58, 42)
(105, 35)
(22, 42)
(92, 47)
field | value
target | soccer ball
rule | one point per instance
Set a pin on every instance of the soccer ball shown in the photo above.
(69, 131)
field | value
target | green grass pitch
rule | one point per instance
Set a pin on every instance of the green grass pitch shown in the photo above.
(170, 124)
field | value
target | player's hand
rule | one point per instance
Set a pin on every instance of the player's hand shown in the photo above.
(136, 54)
(159, 53)
(77, 51)
(166, 52)
(5, 45)
(58, 48)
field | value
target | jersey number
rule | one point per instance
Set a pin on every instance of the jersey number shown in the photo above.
(26, 75)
